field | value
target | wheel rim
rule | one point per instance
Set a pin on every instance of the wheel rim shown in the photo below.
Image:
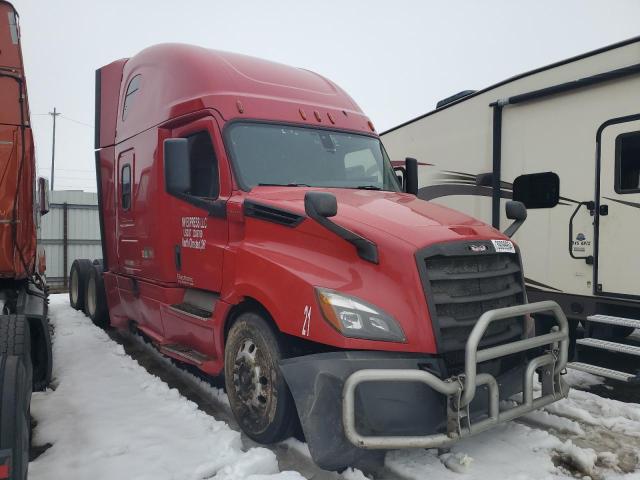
(74, 287)
(91, 296)
(253, 385)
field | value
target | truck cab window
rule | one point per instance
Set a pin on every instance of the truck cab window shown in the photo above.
(132, 90)
(204, 166)
(125, 187)
(537, 190)
(270, 154)
(627, 176)
(362, 165)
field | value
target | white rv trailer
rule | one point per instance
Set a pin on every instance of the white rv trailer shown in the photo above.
(565, 140)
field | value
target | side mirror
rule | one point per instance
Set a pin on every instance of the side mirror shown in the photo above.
(177, 168)
(515, 211)
(411, 176)
(43, 195)
(320, 204)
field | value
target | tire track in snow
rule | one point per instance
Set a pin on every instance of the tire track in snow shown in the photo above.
(579, 437)
(210, 399)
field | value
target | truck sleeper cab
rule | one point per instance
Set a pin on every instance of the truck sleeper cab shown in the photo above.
(253, 226)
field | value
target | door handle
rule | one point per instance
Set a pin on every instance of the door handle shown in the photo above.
(591, 205)
(177, 252)
(603, 210)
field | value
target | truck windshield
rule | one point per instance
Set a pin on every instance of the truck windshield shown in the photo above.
(267, 154)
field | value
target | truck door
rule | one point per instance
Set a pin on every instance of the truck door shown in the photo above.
(128, 251)
(618, 254)
(198, 222)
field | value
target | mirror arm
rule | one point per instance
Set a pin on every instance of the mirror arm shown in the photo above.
(367, 250)
(515, 211)
(215, 208)
(513, 228)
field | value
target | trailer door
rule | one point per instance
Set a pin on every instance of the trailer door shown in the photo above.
(618, 248)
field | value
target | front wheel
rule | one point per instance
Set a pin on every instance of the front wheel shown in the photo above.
(258, 394)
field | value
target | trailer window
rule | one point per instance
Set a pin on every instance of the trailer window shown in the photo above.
(125, 187)
(537, 190)
(204, 166)
(627, 175)
(132, 90)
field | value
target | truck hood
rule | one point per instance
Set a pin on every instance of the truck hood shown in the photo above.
(397, 214)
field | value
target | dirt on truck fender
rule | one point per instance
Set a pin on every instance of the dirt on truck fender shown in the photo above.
(297, 261)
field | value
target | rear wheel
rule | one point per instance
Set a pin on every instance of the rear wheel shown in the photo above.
(95, 297)
(78, 276)
(15, 422)
(258, 394)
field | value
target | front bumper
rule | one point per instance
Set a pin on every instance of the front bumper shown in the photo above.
(353, 402)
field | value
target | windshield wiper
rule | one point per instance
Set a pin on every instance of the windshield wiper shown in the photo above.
(283, 185)
(368, 187)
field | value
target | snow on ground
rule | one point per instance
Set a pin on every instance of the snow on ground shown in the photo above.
(108, 418)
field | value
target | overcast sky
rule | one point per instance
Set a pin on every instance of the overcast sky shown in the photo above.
(396, 58)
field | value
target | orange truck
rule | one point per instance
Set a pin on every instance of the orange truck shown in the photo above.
(25, 344)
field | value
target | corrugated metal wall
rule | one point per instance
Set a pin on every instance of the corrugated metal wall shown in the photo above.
(82, 235)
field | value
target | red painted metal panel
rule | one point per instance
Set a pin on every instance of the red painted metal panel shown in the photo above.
(242, 257)
(17, 162)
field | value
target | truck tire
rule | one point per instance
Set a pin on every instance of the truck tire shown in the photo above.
(15, 421)
(96, 297)
(258, 393)
(78, 276)
(15, 340)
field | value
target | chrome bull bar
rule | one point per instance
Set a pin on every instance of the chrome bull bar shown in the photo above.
(460, 390)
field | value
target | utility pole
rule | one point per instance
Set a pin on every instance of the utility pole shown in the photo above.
(54, 114)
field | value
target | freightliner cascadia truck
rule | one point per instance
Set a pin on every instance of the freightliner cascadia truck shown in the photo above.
(25, 346)
(254, 227)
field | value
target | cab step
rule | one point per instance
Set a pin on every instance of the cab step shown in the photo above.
(610, 346)
(611, 320)
(604, 372)
(184, 353)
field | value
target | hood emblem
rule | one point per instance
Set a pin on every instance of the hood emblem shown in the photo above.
(478, 248)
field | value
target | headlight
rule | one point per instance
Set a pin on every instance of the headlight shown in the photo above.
(356, 318)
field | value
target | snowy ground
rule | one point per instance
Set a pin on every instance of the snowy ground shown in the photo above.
(111, 416)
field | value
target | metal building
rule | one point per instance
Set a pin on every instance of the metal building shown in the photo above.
(70, 230)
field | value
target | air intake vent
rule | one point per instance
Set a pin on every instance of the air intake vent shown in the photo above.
(271, 214)
(464, 284)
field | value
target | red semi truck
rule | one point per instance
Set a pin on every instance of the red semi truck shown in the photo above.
(253, 227)
(25, 346)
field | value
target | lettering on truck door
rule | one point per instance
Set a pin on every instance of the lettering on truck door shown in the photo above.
(198, 218)
(618, 259)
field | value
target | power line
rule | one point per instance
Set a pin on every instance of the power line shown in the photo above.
(77, 121)
(67, 118)
(69, 169)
